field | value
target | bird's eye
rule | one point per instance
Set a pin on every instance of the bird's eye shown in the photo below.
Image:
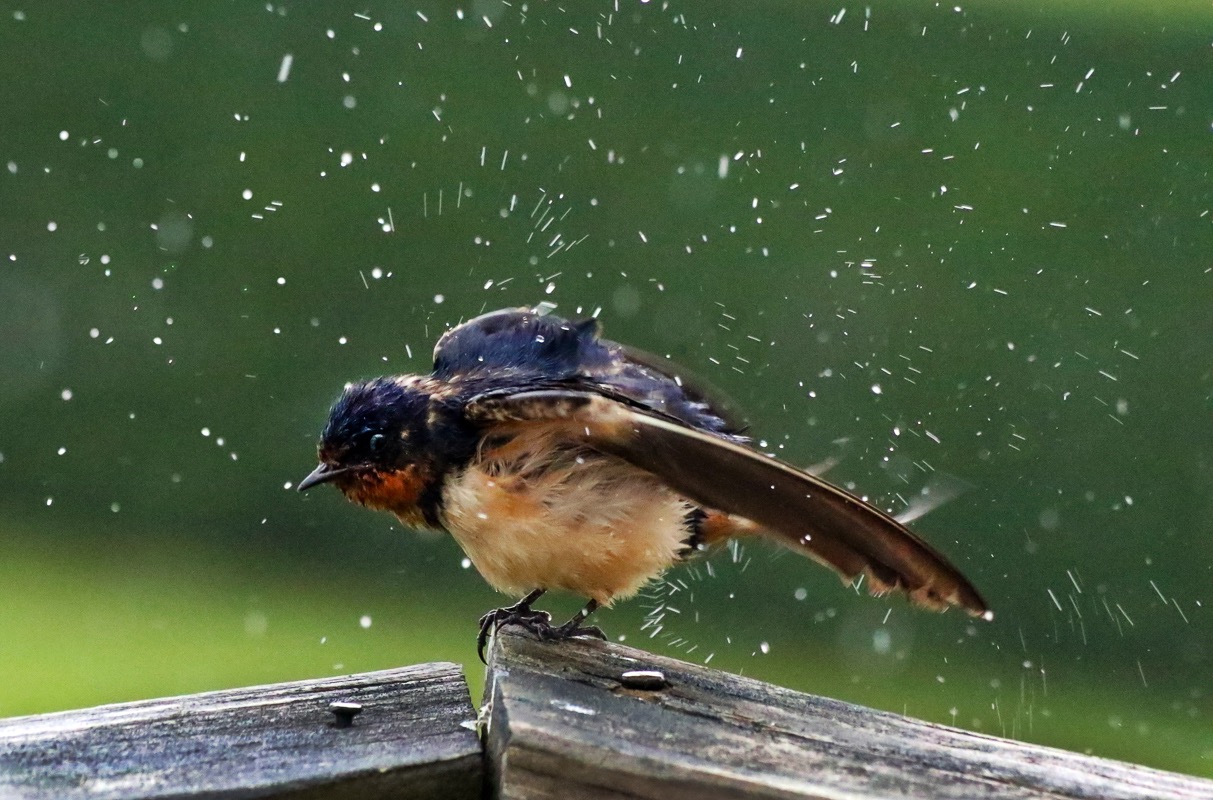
(378, 442)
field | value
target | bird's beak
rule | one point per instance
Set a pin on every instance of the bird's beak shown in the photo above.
(321, 474)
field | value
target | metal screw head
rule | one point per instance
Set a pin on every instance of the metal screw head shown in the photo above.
(649, 680)
(345, 712)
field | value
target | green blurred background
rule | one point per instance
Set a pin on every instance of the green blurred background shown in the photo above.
(967, 245)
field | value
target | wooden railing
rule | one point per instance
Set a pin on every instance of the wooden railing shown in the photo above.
(577, 719)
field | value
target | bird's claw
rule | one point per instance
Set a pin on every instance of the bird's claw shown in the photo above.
(570, 630)
(537, 622)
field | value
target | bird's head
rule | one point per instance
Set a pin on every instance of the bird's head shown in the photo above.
(376, 445)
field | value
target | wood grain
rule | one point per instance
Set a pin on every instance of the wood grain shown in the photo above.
(415, 737)
(564, 721)
(561, 724)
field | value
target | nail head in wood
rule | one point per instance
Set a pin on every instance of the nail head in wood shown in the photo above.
(345, 712)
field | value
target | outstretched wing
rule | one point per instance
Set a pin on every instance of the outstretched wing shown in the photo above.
(802, 511)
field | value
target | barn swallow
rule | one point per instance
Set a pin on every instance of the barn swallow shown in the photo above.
(561, 460)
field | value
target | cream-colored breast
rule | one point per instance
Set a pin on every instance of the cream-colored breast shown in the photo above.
(539, 513)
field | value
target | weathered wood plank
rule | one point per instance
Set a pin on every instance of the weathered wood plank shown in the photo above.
(562, 724)
(415, 737)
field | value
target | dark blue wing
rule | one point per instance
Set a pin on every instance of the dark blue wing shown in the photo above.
(801, 511)
(527, 350)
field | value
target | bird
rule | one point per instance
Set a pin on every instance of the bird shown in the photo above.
(560, 460)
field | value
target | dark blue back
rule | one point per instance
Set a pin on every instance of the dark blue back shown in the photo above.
(519, 341)
(524, 348)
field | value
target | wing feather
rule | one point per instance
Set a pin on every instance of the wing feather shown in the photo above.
(800, 510)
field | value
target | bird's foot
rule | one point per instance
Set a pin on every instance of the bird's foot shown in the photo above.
(537, 622)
